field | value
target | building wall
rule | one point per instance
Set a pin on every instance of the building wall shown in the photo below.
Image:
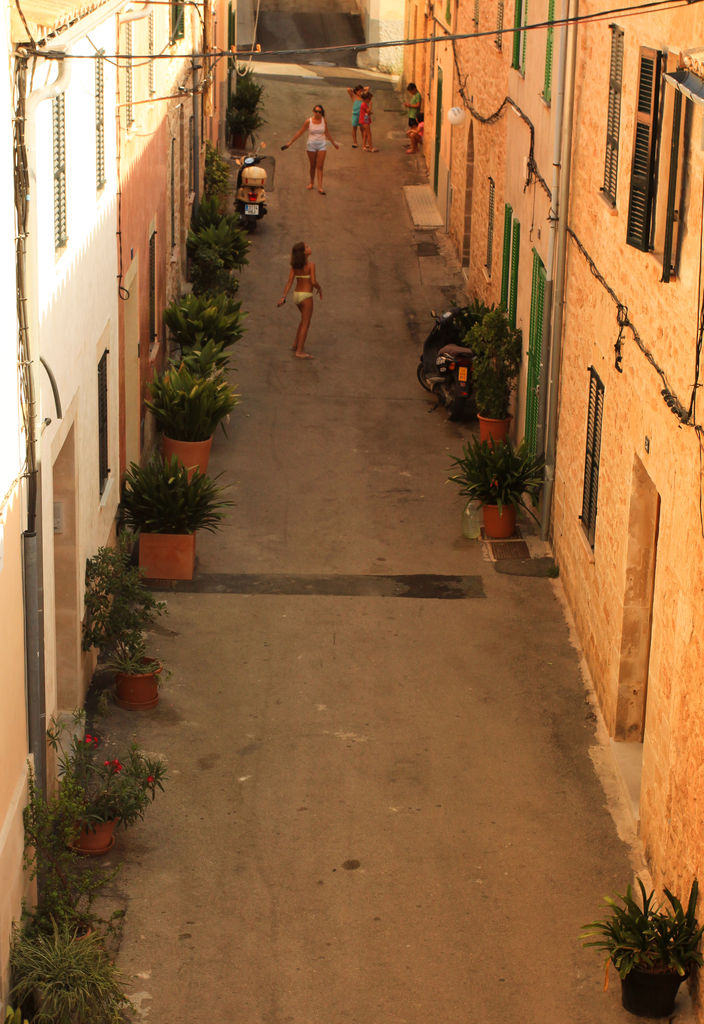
(640, 627)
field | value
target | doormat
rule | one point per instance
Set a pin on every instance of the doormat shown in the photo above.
(509, 549)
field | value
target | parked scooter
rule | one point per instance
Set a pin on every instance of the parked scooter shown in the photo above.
(445, 366)
(250, 193)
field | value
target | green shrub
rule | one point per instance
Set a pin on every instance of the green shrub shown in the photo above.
(216, 179)
(243, 117)
(195, 320)
(160, 498)
(215, 252)
(187, 407)
(497, 351)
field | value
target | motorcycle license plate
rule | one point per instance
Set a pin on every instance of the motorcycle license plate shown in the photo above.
(462, 374)
(251, 209)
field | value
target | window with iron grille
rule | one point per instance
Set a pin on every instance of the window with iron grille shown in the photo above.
(173, 192)
(58, 106)
(103, 467)
(177, 19)
(152, 288)
(613, 115)
(591, 461)
(191, 180)
(641, 202)
(129, 76)
(490, 227)
(520, 16)
(150, 46)
(99, 122)
(547, 83)
(498, 42)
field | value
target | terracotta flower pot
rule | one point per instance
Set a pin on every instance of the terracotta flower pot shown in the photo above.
(167, 556)
(193, 454)
(493, 430)
(95, 841)
(138, 691)
(499, 526)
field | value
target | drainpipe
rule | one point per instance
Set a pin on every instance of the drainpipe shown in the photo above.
(196, 144)
(559, 293)
(32, 553)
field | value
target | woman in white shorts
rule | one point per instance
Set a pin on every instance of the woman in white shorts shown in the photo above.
(317, 144)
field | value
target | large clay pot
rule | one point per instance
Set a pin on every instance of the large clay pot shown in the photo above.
(95, 841)
(193, 454)
(493, 430)
(167, 556)
(499, 526)
(138, 691)
(649, 994)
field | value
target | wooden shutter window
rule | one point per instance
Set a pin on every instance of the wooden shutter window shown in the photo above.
(642, 194)
(613, 115)
(672, 214)
(516, 55)
(103, 467)
(475, 19)
(513, 283)
(490, 227)
(547, 83)
(506, 261)
(535, 348)
(499, 25)
(99, 122)
(177, 20)
(593, 451)
(58, 105)
(129, 76)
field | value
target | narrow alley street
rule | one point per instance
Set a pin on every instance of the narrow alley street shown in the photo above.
(381, 809)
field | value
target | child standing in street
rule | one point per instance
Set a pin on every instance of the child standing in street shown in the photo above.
(356, 97)
(365, 121)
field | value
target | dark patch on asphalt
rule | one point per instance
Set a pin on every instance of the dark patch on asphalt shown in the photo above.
(427, 248)
(421, 586)
(351, 865)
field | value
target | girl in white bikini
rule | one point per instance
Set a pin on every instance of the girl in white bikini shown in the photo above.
(303, 273)
(316, 147)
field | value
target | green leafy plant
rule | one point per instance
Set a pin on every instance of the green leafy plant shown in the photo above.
(195, 320)
(649, 936)
(215, 251)
(243, 117)
(14, 1017)
(69, 977)
(205, 361)
(111, 788)
(467, 316)
(216, 177)
(188, 407)
(66, 886)
(496, 349)
(160, 498)
(118, 607)
(498, 474)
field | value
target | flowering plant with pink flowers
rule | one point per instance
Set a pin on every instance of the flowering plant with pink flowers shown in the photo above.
(114, 788)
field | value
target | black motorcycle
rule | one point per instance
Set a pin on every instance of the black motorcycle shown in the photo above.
(445, 367)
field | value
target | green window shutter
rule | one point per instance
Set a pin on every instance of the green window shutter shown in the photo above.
(490, 229)
(613, 116)
(547, 84)
(448, 12)
(506, 259)
(103, 450)
(535, 348)
(524, 35)
(642, 192)
(513, 282)
(177, 20)
(99, 121)
(516, 56)
(58, 110)
(499, 25)
(671, 213)
(590, 492)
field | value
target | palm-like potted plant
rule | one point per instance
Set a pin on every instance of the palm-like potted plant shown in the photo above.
(216, 248)
(243, 116)
(496, 349)
(118, 610)
(166, 506)
(500, 477)
(652, 946)
(187, 408)
(114, 790)
(195, 320)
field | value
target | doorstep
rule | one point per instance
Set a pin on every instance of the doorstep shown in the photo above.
(422, 206)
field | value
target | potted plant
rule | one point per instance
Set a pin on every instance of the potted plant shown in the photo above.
(216, 248)
(114, 790)
(166, 507)
(496, 349)
(195, 320)
(118, 609)
(499, 476)
(187, 409)
(68, 978)
(243, 116)
(652, 946)
(216, 177)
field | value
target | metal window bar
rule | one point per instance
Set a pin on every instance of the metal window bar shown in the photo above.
(173, 192)
(60, 202)
(151, 84)
(593, 452)
(152, 288)
(513, 282)
(547, 82)
(191, 186)
(524, 35)
(103, 467)
(129, 76)
(99, 121)
(506, 260)
(498, 42)
(490, 228)
(613, 116)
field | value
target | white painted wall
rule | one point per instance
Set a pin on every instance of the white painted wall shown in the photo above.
(384, 21)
